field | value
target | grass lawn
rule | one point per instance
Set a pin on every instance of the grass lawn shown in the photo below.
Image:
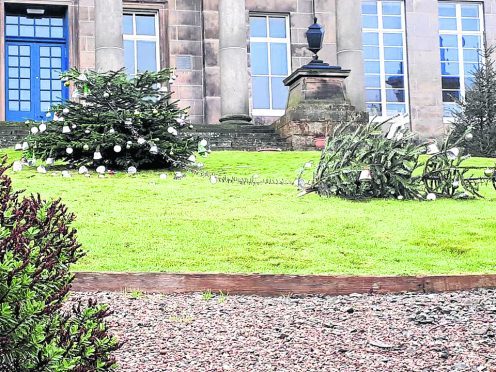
(144, 223)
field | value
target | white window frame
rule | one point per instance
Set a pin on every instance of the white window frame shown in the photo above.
(269, 40)
(381, 31)
(135, 38)
(459, 37)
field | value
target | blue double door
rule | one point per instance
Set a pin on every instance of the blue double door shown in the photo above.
(33, 67)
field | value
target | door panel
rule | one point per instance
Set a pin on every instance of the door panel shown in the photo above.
(19, 87)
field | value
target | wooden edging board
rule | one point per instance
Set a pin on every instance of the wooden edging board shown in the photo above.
(275, 285)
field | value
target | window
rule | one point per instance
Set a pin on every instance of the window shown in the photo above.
(460, 40)
(384, 51)
(141, 43)
(270, 56)
(21, 26)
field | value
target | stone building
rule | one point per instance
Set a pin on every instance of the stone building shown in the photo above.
(406, 56)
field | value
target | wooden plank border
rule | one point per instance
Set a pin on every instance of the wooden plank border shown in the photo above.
(275, 285)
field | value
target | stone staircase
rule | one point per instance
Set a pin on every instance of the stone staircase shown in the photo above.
(10, 134)
(241, 137)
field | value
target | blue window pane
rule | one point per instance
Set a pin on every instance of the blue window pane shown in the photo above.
(370, 38)
(393, 39)
(469, 81)
(369, 21)
(45, 95)
(44, 62)
(448, 41)
(55, 96)
(470, 25)
(449, 54)
(471, 55)
(42, 21)
(279, 94)
(470, 68)
(147, 56)
(13, 50)
(277, 27)
(25, 106)
(373, 95)
(24, 50)
(14, 95)
(372, 67)
(56, 52)
(56, 21)
(393, 53)
(258, 26)
(11, 20)
(129, 56)
(13, 106)
(13, 61)
(26, 21)
(395, 109)
(128, 24)
(56, 62)
(371, 52)
(451, 95)
(391, 8)
(470, 41)
(393, 68)
(27, 31)
(395, 81)
(449, 109)
(57, 85)
(391, 22)
(447, 10)
(45, 106)
(261, 98)
(11, 30)
(470, 11)
(25, 83)
(145, 25)
(259, 58)
(45, 73)
(25, 95)
(279, 59)
(42, 31)
(55, 74)
(449, 68)
(13, 83)
(373, 81)
(57, 32)
(395, 95)
(369, 7)
(451, 82)
(45, 84)
(13, 72)
(447, 23)
(374, 109)
(45, 52)
(25, 61)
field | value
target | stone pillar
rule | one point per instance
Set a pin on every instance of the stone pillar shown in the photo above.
(233, 60)
(424, 68)
(108, 34)
(349, 48)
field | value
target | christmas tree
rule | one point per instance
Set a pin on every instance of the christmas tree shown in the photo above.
(116, 122)
(477, 111)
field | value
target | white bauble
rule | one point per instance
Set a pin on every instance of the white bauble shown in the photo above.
(400, 197)
(155, 111)
(174, 132)
(469, 136)
(154, 149)
(48, 115)
(106, 95)
(25, 145)
(100, 169)
(42, 128)
(163, 176)
(41, 169)
(203, 142)
(213, 180)
(66, 129)
(192, 158)
(170, 130)
(83, 170)
(18, 146)
(132, 170)
(86, 147)
(111, 130)
(17, 166)
(141, 140)
(73, 126)
(117, 148)
(87, 131)
(65, 111)
(97, 155)
(50, 161)
(34, 130)
(82, 77)
(431, 196)
(69, 150)
(66, 174)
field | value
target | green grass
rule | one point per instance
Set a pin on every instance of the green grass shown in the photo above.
(144, 223)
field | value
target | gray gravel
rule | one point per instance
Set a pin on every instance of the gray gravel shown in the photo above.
(410, 332)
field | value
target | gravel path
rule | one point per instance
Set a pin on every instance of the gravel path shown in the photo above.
(412, 332)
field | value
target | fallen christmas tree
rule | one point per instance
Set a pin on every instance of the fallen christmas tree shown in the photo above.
(362, 161)
(115, 121)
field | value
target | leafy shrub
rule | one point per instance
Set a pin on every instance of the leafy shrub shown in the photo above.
(37, 248)
(477, 111)
(115, 121)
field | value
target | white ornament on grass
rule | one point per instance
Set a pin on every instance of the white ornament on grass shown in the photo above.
(50, 161)
(132, 170)
(25, 145)
(66, 174)
(163, 176)
(83, 170)
(213, 180)
(17, 166)
(100, 169)
(400, 197)
(431, 196)
(192, 158)
(41, 169)
(117, 148)
(18, 146)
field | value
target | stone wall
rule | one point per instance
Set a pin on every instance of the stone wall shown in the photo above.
(10, 134)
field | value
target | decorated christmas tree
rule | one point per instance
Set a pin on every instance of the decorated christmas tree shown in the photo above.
(114, 121)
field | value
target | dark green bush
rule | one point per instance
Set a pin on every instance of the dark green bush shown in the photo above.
(37, 249)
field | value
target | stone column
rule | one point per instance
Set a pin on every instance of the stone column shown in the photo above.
(108, 35)
(349, 48)
(233, 60)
